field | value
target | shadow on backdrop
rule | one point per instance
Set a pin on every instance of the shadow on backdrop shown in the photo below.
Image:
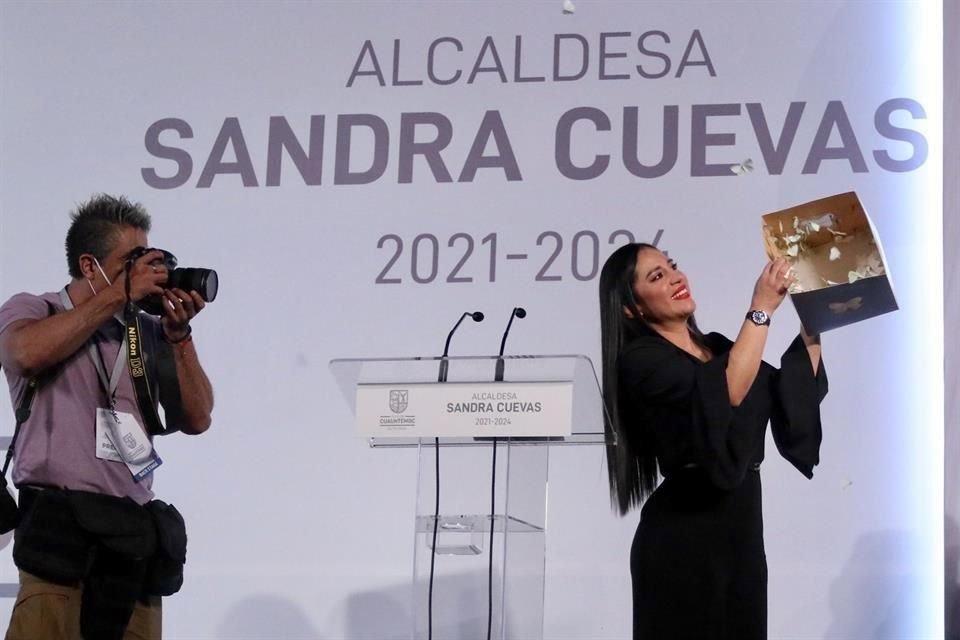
(460, 610)
(871, 598)
(267, 617)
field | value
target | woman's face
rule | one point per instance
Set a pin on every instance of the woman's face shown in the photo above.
(661, 291)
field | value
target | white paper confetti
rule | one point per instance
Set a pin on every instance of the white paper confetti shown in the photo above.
(813, 226)
(793, 250)
(569, 7)
(834, 254)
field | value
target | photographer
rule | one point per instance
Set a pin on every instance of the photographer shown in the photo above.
(94, 549)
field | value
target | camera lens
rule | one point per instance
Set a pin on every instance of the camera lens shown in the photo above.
(203, 281)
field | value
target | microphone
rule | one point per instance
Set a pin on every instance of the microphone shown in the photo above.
(477, 316)
(518, 312)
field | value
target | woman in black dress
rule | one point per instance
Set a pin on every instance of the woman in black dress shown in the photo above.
(696, 407)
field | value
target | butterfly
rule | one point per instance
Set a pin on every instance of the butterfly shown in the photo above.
(742, 168)
(850, 305)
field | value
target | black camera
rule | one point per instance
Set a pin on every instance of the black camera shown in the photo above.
(203, 281)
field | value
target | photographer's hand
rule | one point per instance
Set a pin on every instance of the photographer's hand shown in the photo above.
(179, 309)
(147, 274)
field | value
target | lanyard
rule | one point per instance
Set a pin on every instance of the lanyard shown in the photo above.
(109, 385)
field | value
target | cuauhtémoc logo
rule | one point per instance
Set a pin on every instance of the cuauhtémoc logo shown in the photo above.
(398, 401)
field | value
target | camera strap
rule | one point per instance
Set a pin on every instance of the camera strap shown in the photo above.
(142, 389)
(137, 454)
(22, 413)
(133, 341)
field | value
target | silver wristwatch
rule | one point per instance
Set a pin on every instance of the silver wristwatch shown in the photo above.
(758, 317)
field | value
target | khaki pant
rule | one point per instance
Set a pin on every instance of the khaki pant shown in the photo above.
(52, 612)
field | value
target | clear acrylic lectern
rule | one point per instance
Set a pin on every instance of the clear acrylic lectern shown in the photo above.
(472, 565)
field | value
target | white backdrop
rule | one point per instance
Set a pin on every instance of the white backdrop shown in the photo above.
(297, 529)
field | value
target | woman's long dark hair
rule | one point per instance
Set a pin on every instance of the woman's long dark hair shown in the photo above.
(631, 457)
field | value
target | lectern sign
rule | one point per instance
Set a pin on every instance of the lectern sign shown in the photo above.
(458, 409)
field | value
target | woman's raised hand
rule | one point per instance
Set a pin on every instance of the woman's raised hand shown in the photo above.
(772, 286)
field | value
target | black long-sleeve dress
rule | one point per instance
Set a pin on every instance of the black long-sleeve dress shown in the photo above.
(697, 561)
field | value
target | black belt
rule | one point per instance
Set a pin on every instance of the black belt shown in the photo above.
(693, 465)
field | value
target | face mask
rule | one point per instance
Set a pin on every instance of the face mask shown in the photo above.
(100, 269)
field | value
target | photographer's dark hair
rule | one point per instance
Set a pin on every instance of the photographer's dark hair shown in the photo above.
(96, 224)
(631, 458)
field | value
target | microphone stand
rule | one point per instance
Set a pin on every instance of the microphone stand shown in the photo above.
(441, 377)
(518, 312)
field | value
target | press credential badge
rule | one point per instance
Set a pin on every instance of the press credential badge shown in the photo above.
(120, 438)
